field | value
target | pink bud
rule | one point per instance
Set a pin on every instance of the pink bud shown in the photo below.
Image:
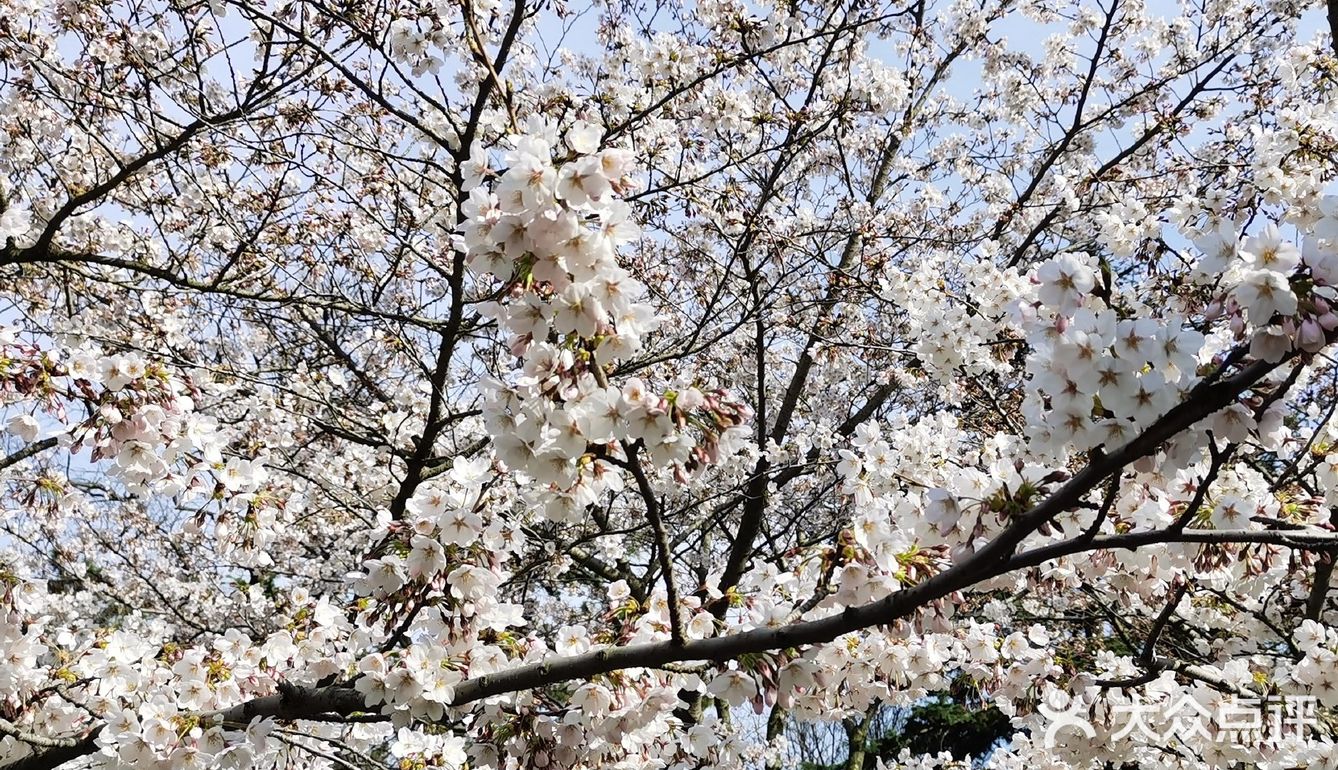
(1213, 311)
(1311, 336)
(1329, 321)
(1237, 325)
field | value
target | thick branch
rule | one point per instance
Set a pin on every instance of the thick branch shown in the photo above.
(1333, 25)
(35, 447)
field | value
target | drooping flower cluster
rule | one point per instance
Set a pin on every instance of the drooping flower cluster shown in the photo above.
(549, 231)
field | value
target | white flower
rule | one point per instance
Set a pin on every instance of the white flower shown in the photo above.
(850, 465)
(599, 414)
(384, 576)
(428, 503)
(15, 222)
(577, 312)
(460, 527)
(733, 686)
(700, 626)
(941, 510)
(619, 591)
(1135, 340)
(700, 739)
(1232, 423)
(139, 463)
(1038, 635)
(119, 371)
(425, 558)
(582, 182)
(239, 475)
(476, 169)
(592, 699)
(865, 434)
(572, 640)
(1016, 646)
(471, 583)
(1309, 636)
(1264, 293)
(451, 751)
(1220, 247)
(1321, 257)
(1270, 344)
(470, 473)
(25, 427)
(652, 425)
(583, 137)
(1269, 251)
(1065, 280)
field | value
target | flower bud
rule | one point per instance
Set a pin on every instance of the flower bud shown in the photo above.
(1310, 337)
(1237, 325)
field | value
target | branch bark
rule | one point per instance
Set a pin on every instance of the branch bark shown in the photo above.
(1333, 25)
(36, 447)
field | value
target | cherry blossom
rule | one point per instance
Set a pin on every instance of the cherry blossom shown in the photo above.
(586, 385)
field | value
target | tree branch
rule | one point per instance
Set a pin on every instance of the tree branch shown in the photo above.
(35, 447)
(290, 702)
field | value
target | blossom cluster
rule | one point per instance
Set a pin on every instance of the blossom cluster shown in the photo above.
(139, 415)
(1100, 379)
(443, 346)
(1282, 293)
(548, 231)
